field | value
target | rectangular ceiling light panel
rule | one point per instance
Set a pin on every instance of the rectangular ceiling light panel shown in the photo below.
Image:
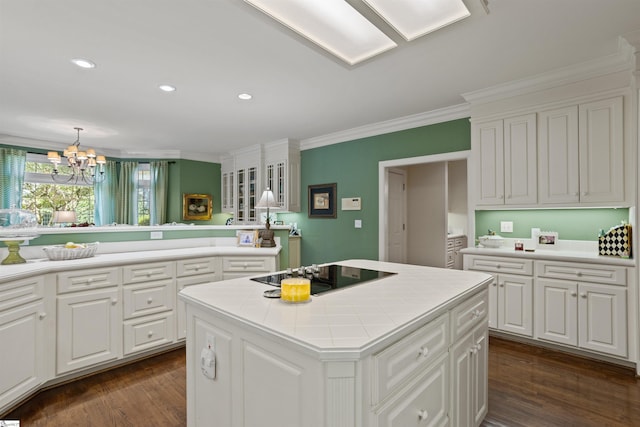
(415, 18)
(331, 24)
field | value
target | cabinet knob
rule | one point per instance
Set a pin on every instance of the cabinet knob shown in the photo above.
(583, 294)
(502, 285)
(573, 294)
(42, 315)
(150, 334)
(89, 280)
(149, 300)
(423, 415)
(114, 301)
(579, 273)
(423, 351)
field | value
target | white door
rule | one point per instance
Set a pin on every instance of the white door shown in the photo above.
(515, 304)
(557, 311)
(396, 250)
(602, 316)
(520, 173)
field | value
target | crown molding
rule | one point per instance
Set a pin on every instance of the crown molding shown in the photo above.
(620, 61)
(455, 112)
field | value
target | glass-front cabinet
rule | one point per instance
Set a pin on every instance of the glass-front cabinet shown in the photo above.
(228, 185)
(247, 184)
(282, 173)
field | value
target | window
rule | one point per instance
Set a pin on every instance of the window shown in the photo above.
(43, 196)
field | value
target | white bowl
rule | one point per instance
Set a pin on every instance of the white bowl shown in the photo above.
(491, 241)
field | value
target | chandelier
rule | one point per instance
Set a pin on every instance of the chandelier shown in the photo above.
(84, 166)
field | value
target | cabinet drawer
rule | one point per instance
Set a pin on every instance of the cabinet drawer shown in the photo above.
(192, 267)
(595, 273)
(147, 272)
(498, 264)
(148, 332)
(20, 292)
(400, 362)
(148, 298)
(183, 282)
(424, 404)
(81, 280)
(469, 314)
(248, 264)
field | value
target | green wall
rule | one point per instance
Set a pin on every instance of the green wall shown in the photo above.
(571, 224)
(193, 177)
(353, 166)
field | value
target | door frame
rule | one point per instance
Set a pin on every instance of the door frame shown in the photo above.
(383, 188)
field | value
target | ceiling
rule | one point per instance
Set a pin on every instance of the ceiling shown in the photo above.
(213, 50)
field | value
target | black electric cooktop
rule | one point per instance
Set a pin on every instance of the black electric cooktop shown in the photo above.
(328, 278)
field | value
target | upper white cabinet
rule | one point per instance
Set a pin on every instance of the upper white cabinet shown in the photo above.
(505, 161)
(282, 173)
(247, 173)
(581, 153)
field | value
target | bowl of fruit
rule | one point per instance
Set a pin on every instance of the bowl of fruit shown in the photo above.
(70, 250)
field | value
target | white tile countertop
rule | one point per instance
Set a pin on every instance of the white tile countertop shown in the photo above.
(350, 320)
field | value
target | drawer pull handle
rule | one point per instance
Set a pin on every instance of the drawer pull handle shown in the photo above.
(502, 285)
(114, 301)
(149, 300)
(89, 280)
(422, 415)
(423, 351)
(583, 294)
(574, 293)
(150, 334)
(579, 273)
(148, 274)
(42, 315)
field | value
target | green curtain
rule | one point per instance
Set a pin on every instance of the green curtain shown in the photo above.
(159, 173)
(105, 195)
(12, 165)
(127, 200)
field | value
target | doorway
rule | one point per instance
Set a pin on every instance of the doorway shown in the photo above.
(405, 232)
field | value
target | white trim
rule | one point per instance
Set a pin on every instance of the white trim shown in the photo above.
(383, 188)
(455, 112)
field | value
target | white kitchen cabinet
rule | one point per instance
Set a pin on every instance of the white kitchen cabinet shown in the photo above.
(282, 173)
(582, 305)
(89, 328)
(505, 161)
(454, 246)
(228, 190)
(249, 184)
(510, 294)
(241, 266)
(149, 301)
(22, 334)
(581, 153)
(469, 361)
(194, 271)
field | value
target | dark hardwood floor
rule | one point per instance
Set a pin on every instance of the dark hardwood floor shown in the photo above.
(528, 386)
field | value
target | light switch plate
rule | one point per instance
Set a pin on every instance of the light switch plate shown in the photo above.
(156, 235)
(506, 226)
(358, 223)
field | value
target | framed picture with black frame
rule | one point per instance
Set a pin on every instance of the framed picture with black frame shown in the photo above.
(322, 201)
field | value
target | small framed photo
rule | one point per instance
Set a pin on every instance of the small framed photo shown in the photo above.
(197, 206)
(322, 201)
(547, 238)
(247, 237)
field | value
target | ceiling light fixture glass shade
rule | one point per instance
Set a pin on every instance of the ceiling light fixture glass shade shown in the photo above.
(82, 167)
(167, 88)
(83, 63)
(415, 18)
(333, 25)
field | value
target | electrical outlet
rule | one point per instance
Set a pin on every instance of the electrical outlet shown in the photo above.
(506, 226)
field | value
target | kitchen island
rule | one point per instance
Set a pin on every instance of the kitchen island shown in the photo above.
(408, 349)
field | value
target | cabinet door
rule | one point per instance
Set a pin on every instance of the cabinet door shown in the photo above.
(488, 148)
(520, 170)
(89, 329)
(558, 175)
(493, 303)
(515, 304)
(23, 351)
(556, 311)
(602, 318)
(601, 151)
(480, 360)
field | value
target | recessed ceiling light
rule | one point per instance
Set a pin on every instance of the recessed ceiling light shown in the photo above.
(83, 63)
(167, 88)
(245, 96)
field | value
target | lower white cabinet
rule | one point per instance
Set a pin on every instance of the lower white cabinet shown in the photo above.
(22, 334)
(469, 386)
(587, 315)
(89, 328)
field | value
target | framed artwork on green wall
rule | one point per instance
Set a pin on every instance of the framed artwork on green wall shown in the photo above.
(322, 201)
(196, 206)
